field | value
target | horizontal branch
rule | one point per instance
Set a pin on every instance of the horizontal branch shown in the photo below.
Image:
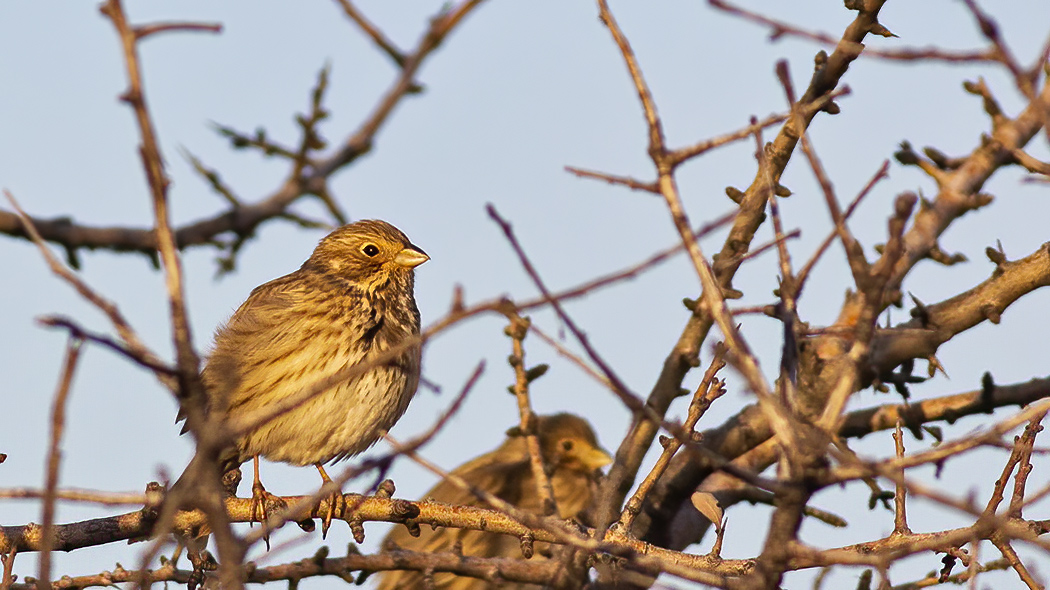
(950, 407)
(75, 495)
(138, 525)
(492, 569)
(933, 325)
(896, 546)
(241, 221)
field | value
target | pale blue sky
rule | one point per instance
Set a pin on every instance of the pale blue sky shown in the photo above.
(518, 92)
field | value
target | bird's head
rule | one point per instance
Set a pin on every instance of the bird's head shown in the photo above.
(368, 253)
(568, 442)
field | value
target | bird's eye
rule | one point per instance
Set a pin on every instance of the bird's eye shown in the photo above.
(566, 445)
(370, 250)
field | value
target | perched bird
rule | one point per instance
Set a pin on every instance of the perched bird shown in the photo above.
(350, 302)
(572, 456)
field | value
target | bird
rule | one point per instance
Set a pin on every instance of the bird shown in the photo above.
(350, 302)
(573, 459)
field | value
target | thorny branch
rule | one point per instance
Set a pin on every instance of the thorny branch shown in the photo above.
(795, 422)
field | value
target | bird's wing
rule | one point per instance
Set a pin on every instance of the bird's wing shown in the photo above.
(498, 477)
(268, 328)
(260, 314)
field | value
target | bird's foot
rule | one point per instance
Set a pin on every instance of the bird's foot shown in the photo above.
(336, 501)
(263, 505)
(203, 561)
(336, 507)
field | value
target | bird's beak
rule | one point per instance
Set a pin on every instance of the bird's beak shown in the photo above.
(411, 257)
(596, 458)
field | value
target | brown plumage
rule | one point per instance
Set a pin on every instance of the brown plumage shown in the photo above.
(350, 301)
(572, 456)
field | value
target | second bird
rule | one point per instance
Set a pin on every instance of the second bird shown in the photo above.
(572, 456)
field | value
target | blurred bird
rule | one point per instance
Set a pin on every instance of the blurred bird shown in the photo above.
(572, 456)
(350, 302)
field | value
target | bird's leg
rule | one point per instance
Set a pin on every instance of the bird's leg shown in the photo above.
(258, 494)
(336, 502)
(263, 502)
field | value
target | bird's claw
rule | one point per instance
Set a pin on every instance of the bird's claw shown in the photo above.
(336, 506)
(263, 505)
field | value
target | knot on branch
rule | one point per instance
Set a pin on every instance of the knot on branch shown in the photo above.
(518, 327)
(385, 489)
(819, 61)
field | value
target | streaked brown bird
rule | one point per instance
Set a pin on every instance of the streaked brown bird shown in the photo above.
(572, 456)
(349, 303)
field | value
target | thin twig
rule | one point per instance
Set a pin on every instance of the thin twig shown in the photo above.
(774, 243)
(707, 392)
(629, 272)
(900, 497)
(781, 29)
(76, 331)
(631, 183)
(517, 330)
(75, 495)
(854, 253)
(880, 174)
(1024, 465)
(787, 310)
(373, 32)
(54, 459)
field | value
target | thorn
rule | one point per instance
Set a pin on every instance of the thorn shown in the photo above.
(731, 293)
(457, 299)
(536, 372)
(987, 391)
(920, 311)
(878, 29)
(320, 555)
(736, 195)
(934, 366)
